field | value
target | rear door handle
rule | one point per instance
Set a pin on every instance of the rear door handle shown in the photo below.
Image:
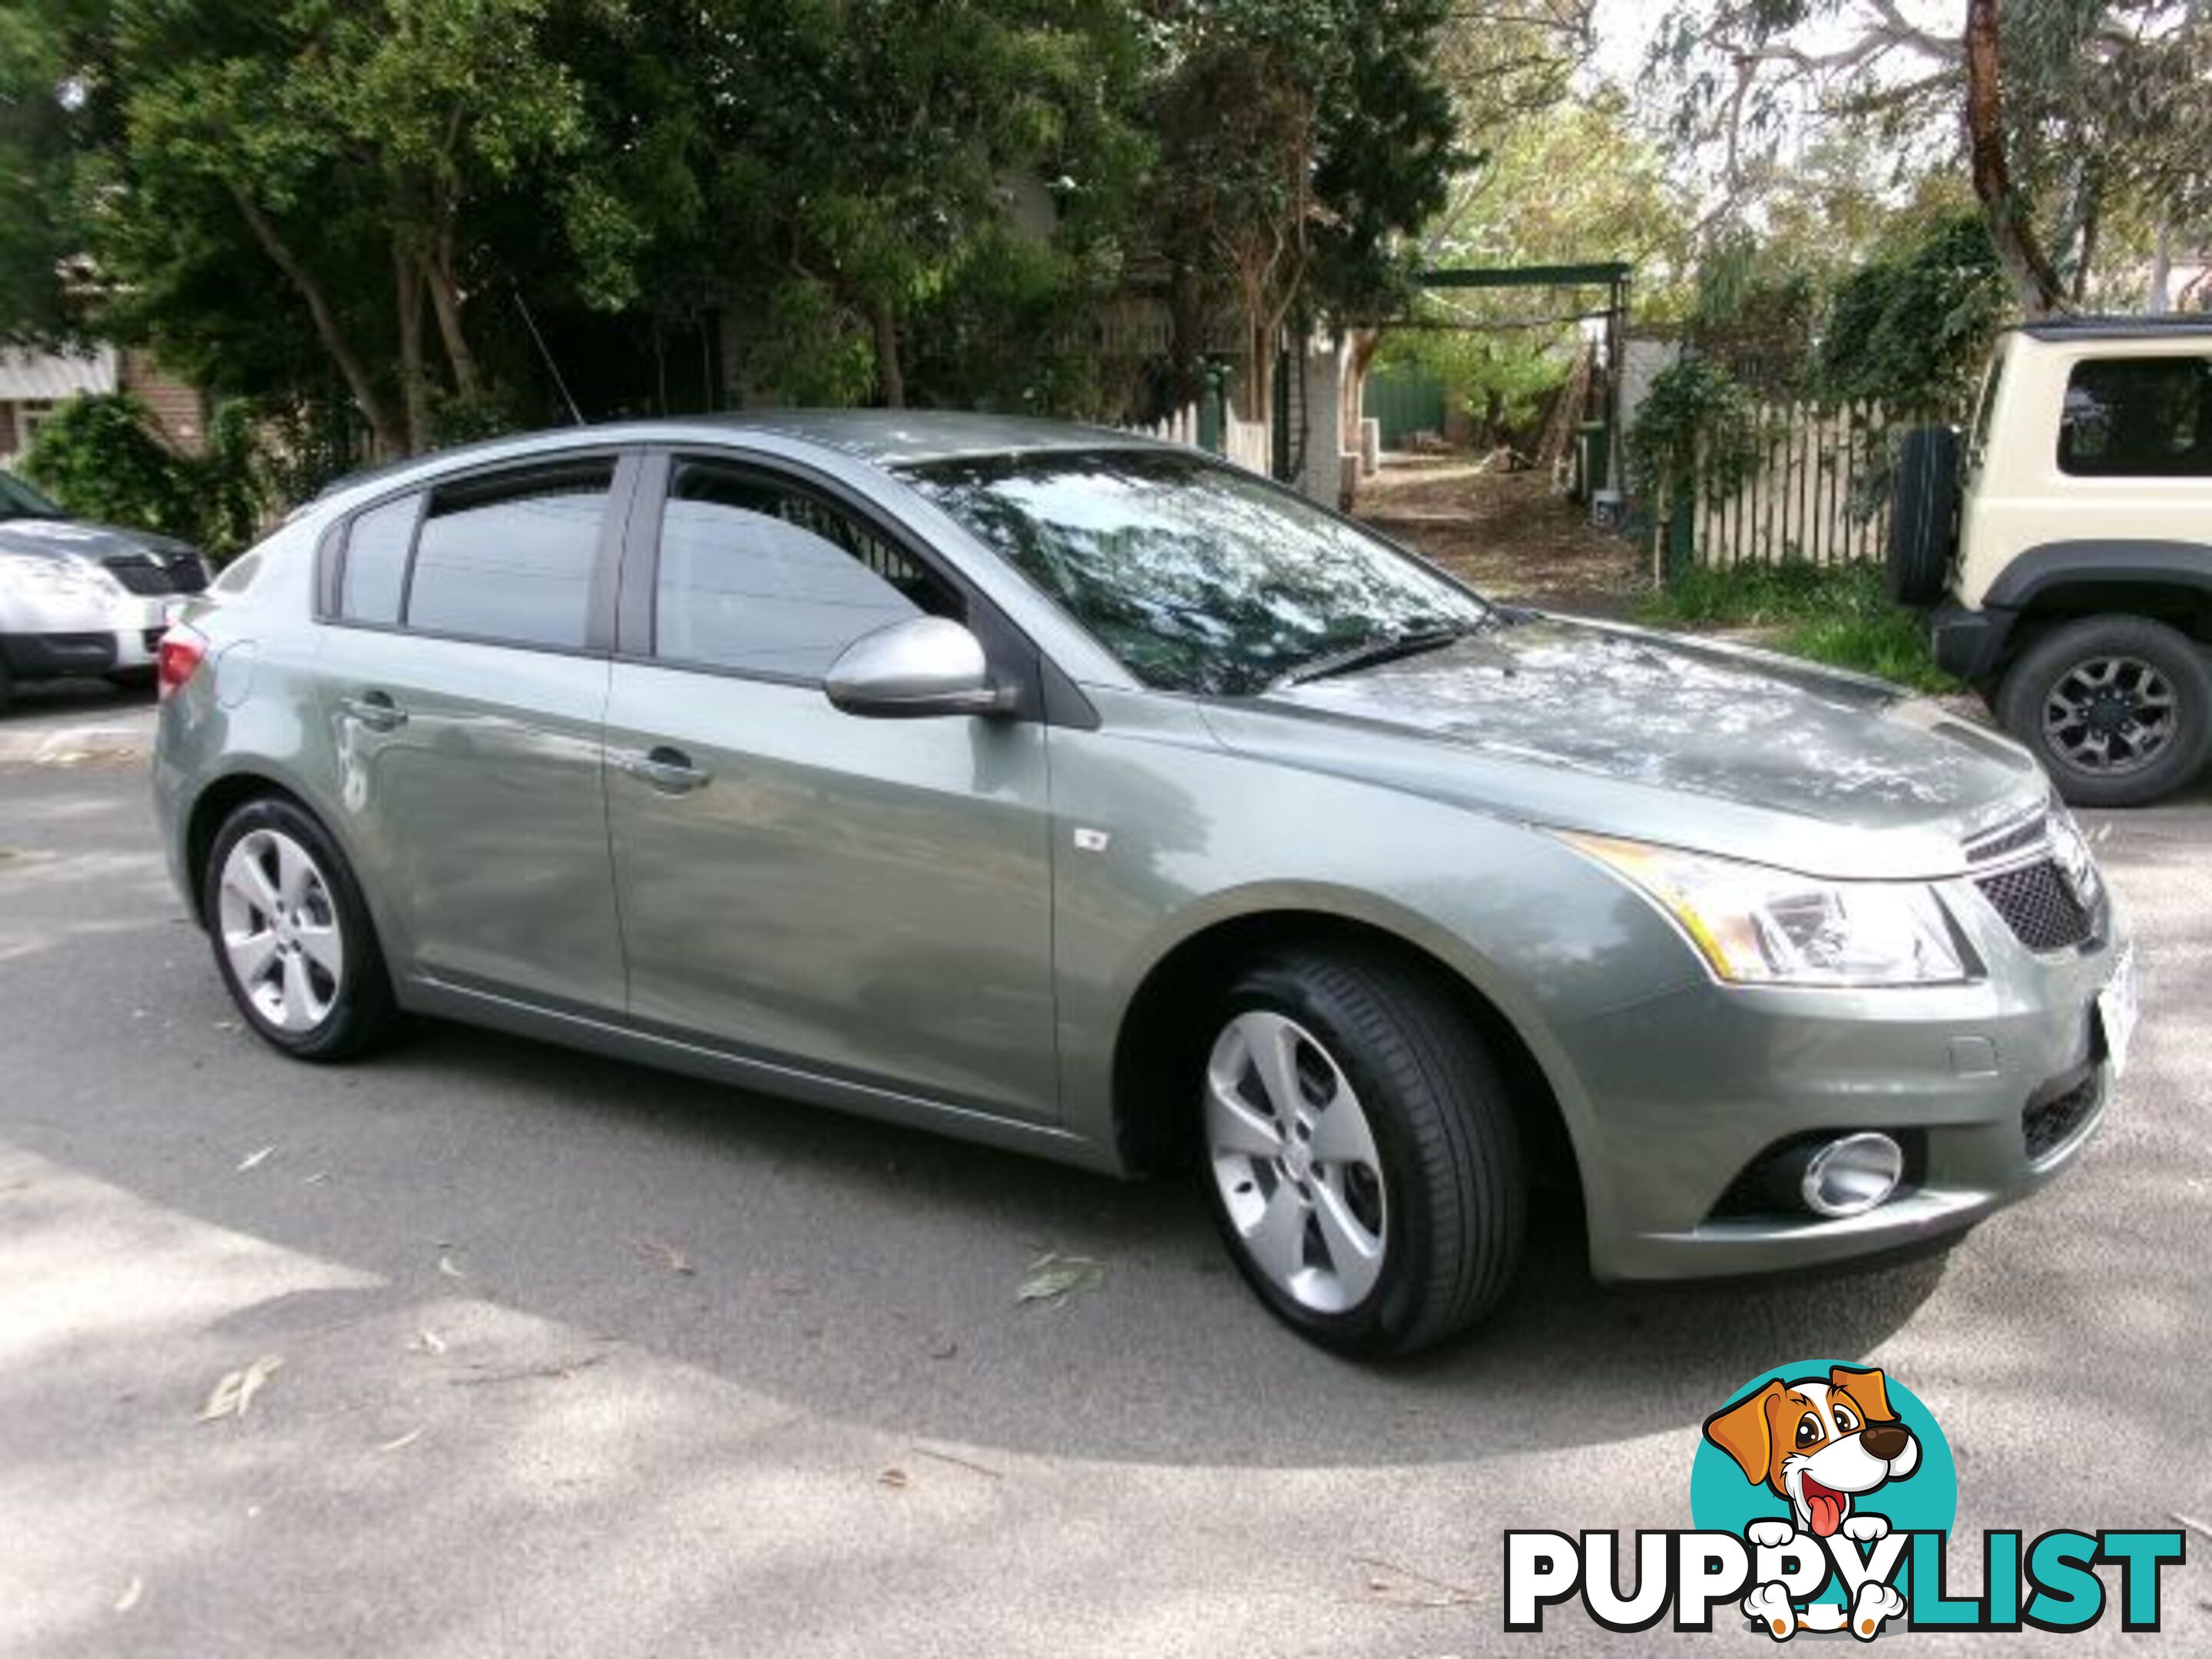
(375, 710)
(669, 770)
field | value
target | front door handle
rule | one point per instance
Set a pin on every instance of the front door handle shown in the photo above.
(669, 770)
(375, 710)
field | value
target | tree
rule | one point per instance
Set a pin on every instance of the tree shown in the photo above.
(1298, 138)
(2066, 113)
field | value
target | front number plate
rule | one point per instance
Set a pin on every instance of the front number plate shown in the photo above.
(2116, 1009)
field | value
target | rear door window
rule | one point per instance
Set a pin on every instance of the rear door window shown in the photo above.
(510, 558)
(757, 575)
(2137, 417)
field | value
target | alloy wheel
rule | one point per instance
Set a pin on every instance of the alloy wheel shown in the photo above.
(1294, 1155)
(2110, 715)
(280, 931)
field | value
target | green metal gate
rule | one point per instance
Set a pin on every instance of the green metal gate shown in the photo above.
(1406, 399)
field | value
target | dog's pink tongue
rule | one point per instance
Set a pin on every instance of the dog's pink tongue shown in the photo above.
(1827, 1508)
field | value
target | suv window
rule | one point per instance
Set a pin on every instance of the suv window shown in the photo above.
(757, 575)
(510, 558)
(2145, 417)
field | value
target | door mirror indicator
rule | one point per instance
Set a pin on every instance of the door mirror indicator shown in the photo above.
(923, 666)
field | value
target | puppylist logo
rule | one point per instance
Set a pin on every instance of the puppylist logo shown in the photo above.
(1822, 1497)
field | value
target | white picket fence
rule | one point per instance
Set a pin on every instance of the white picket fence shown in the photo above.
(1807, 499)
(1248, 443)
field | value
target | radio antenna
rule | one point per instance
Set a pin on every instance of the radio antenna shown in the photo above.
(551, 368)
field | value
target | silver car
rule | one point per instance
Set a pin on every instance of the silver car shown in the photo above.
(1085, 795)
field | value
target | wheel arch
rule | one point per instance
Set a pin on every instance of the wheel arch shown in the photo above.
(222, 795)
(1164, 1025)
(2168, 581)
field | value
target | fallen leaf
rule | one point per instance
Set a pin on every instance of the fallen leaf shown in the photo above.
(233, 1394)
(226, 1025)
(252, 1158)
(896, 1478)
(406, 1439)
(446, 1267)
(1054, 1278)
(316, 1179)
(2192, 1524)
(131, 1592)
(944, 1348)
(1402, 1586)
(666, 1256)
(426, 1342)
(984, 1469)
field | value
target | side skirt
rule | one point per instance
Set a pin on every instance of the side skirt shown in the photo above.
(470, 1006)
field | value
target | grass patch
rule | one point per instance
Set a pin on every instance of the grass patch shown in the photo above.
(1834, 614)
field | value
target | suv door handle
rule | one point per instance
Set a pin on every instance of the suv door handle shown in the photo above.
(375, 710)
(669, 770)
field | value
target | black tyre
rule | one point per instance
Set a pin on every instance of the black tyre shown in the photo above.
(1924, 519)
(1359, 1154)
(2117, 708)
(292, 938)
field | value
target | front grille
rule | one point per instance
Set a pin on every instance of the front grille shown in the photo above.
(140, 575)
(2045, 1125)
(2038, 905)
(1997, 843)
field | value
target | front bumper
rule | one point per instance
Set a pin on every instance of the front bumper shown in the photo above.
(54, 655)
(1992, 1087)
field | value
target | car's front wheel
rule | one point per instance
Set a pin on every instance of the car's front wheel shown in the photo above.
(1360, 1154)
(2117, 708)
(292, 938)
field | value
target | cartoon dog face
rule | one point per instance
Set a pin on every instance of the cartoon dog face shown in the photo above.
(1818, 1443)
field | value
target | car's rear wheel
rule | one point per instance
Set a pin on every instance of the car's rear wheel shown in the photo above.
(2117, 708)
(1361, 1157)
(292, 938)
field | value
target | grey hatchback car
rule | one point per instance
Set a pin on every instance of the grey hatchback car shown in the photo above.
(1085, 795)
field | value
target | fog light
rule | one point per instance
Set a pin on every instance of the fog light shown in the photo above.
(1850, 1176)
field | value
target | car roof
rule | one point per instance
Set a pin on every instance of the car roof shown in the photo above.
(2116, 328)
(881, 437)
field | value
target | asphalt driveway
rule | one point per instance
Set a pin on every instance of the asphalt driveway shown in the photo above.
(580, 1358)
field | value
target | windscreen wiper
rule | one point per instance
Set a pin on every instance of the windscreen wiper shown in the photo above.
(1376, 649)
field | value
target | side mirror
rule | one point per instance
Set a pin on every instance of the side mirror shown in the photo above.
(911, 669)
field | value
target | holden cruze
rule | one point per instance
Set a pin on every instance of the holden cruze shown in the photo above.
(1085, 795)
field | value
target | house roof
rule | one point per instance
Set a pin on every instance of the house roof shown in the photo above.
(48, 376)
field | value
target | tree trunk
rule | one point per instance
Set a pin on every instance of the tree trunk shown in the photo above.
(384, 432)
(446, 300)
(407, 296)
(1186, 334)
(2026, 268)
(890, 378)
(1353, 389)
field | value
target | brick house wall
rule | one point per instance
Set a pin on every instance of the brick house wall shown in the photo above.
(179, 410)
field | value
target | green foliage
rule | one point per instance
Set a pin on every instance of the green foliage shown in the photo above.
(1911, 328)
(100, 458)
(1502, 379)
(1838, 614)
(1697, 431)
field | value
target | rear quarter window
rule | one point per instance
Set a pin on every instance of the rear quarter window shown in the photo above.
(2137, 417)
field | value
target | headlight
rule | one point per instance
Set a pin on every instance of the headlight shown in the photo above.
(1757, 925)
(58, 579)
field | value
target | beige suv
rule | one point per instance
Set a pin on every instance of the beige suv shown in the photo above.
(2068, 539)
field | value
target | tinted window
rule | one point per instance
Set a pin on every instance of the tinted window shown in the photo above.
(376, 561)
(757, 575)
(1198, 576)
(511, 558)
(2146, 417)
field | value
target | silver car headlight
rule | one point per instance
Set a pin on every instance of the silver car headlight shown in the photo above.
(1758, 926)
